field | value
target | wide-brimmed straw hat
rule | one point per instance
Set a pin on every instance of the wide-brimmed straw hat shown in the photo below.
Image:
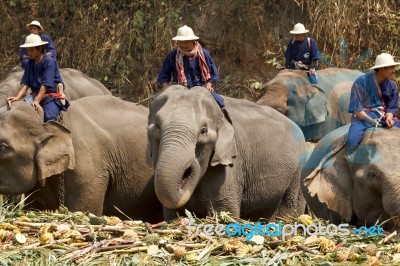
(299, 29)
(33, 40)
(185, 33)
(34, 23)
(384, 60)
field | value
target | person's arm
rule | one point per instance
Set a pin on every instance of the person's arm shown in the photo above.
(214, 76)
(363, 115)
(166, 71)
(22, 91)
(39, 98)
(355, 106)
(314, 56)
(50, 48)
(392, 104)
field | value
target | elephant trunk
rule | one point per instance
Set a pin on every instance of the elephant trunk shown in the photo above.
(275, 97)
(177, 172)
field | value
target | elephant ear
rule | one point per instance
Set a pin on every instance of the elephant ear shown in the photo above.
(330, 179)
(55, 153)
(225, 146)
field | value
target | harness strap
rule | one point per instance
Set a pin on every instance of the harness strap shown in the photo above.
(56, 95)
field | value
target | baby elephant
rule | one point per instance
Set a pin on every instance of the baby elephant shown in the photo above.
(92, 162)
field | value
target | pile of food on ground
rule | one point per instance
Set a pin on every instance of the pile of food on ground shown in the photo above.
(76, 238)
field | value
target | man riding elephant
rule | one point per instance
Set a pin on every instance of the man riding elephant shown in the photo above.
(302, 53)
(317, 110)
(374, 100)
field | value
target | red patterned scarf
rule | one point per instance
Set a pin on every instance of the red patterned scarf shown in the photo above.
(196, 52)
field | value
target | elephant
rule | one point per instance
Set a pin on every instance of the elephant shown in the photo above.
(92, 162)
(77, 84)
(245, 159)
(316, 109)
(360, 187)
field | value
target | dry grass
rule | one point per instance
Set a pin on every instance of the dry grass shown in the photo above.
(76, 238)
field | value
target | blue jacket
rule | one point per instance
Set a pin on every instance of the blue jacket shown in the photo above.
(301, 51)
(192, 70)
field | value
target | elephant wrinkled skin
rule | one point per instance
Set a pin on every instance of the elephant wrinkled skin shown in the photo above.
(362, 187)
(100, 150)
(317, 110)
(202, 162)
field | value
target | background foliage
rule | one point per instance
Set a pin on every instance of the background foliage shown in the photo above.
(123, 43)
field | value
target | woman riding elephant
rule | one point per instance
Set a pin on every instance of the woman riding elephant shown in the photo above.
(94, 162)
(204, 163)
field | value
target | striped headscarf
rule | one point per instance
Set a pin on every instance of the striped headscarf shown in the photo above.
(196, 52)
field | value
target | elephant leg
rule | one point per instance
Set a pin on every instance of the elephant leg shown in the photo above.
(293, 202)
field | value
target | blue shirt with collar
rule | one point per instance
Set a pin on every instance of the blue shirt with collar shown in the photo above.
(364, 94)
(45, 72)
(301, 51)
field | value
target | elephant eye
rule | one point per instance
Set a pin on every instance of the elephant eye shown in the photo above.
(372, 174)
(3, 147)
(204, 130)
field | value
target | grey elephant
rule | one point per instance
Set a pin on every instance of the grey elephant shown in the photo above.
(203, 163)
(316, 109)
(77, 84)
(93, 162)
(360, 187)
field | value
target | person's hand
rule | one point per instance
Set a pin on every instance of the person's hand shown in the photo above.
(12, 99)
(312, 71)
(165, 86)
(209, 86)
(389, 120)
(37, 106)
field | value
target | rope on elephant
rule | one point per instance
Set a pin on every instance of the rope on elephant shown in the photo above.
(60, 119)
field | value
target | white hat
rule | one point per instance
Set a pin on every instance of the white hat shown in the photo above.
(185, 33)
(34, 23)
(33, 40)
(384, 60)
(298, 29)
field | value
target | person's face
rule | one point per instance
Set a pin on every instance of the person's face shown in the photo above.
(33, 52)
(387, 72)
(34, 29)
(186, 45)
(299, 37)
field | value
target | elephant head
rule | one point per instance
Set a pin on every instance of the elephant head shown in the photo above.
(365, 182)
(31, 151)
(187, 132)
